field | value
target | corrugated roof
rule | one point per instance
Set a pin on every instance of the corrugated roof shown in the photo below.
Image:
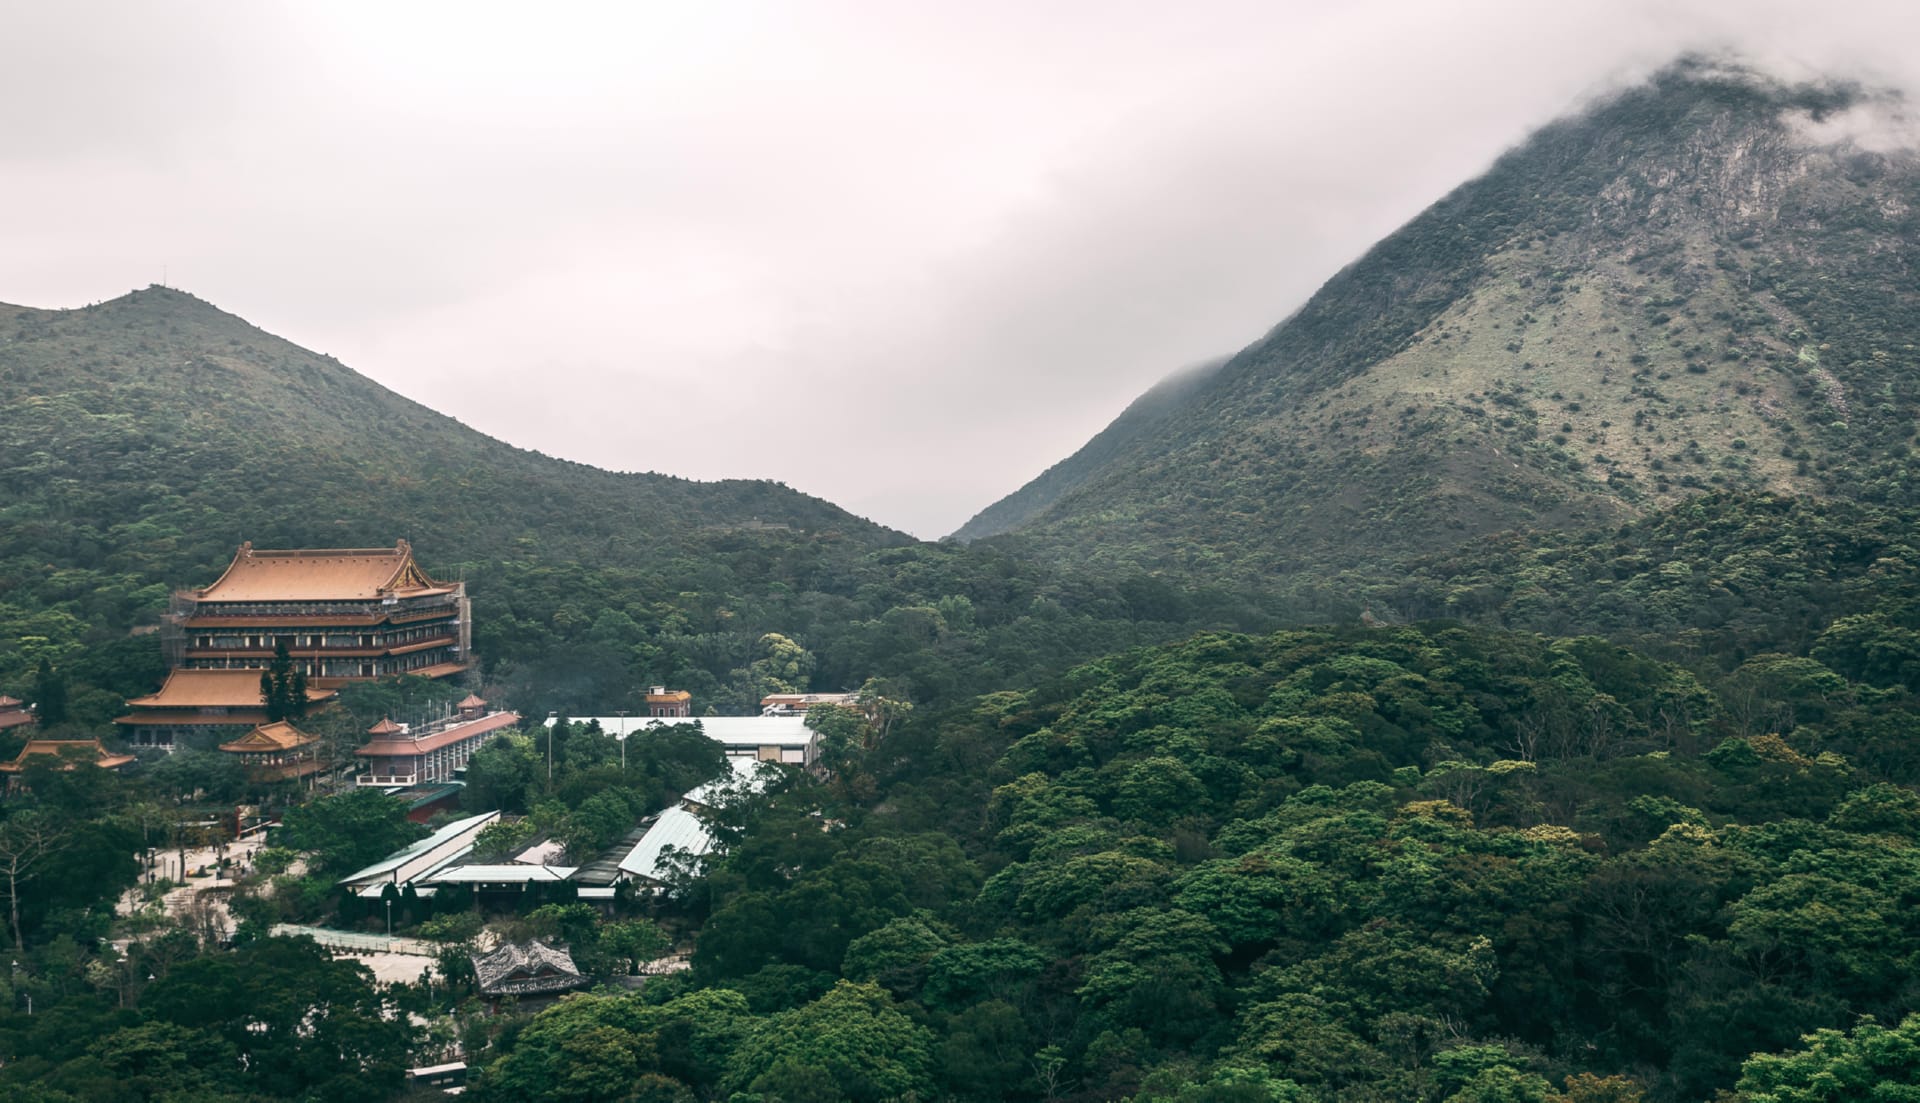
(511, 873)
(732, 731)
(439, 838)
(321, 574)
(742, 770)
(677, 828)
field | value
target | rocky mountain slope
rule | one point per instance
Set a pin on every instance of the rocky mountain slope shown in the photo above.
(1702, 283)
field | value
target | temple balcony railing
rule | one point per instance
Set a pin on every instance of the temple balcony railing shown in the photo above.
(386, 779)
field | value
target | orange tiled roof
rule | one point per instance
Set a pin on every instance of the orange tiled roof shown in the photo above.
(267, 738)
(239, 689)
(471, 701)
(59, 747)
(386, 744)
(321, 574)
(386, 726)
(670, 695)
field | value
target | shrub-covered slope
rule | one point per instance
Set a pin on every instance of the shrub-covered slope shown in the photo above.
(1703, 282)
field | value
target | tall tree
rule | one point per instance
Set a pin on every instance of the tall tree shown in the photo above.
(50, 694)
(283, 688)
(27, 840)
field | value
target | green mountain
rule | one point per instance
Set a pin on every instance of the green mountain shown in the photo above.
(1142, 415)
(291, 448)
(146, 437)
(1702, 283)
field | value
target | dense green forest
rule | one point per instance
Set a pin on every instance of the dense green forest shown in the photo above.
(1404, 863)
(1431, 862)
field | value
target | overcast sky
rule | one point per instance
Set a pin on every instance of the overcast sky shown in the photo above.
(903, 256)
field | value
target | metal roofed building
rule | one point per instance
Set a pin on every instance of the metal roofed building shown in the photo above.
(784, 739)
(497, 874)
(415, 862)
(743, 772)
(677, 828)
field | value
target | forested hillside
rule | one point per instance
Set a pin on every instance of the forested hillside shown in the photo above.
(1702, 283)
(1391, 864)
(146, 437)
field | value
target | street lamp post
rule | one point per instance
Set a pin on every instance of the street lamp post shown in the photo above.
(623, 741)
(389, 923)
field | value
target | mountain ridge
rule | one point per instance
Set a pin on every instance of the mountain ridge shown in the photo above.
(130, 371)
(1626, 310)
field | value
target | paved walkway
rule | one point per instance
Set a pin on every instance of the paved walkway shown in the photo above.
(358, 942)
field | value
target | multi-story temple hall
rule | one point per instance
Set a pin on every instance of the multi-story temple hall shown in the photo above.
(344, 614)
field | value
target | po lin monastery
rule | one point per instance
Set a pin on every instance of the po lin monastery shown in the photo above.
(344, 614)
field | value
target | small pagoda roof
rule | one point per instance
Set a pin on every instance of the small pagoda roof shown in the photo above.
(522, 968)
(7, 702)
(63, 748)
(471, 701)
(323, 574)
(196, 689)
(278, 736)
(386, 726)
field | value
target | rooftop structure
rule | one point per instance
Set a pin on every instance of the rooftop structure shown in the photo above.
(664, 702)
(76, 750)
(13, 713)
(498, 874)
(277, 751)
(343, 614)
(70, 751)
(766, 738)
(399, 756)
(522, 969)
(677, 828)
(780, 704)
(214, 703)
(743, 772)
(421, 858)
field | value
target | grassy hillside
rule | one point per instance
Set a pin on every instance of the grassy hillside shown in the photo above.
(1685, 289)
